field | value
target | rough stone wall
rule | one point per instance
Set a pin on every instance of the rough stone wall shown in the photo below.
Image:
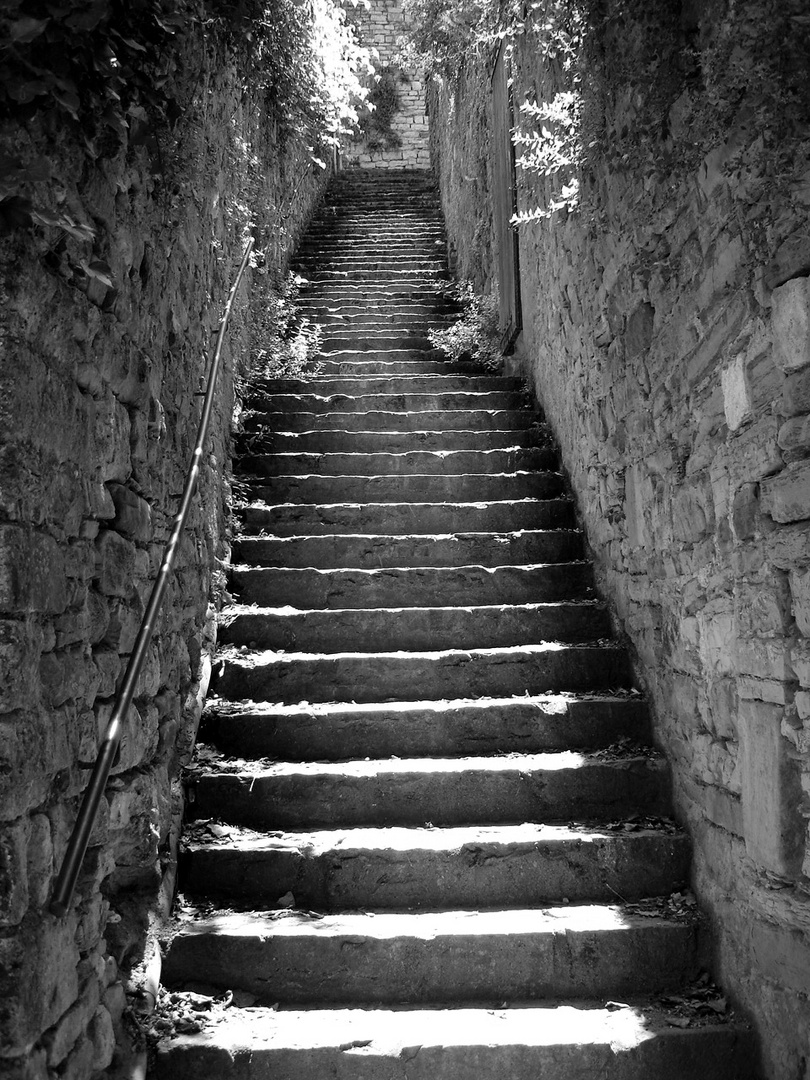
(98, 416)
(380, 26)
(666, 332)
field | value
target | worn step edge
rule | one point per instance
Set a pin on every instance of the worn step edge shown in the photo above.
(415, 462)
(370, 550)
(564, 786)
(383, 957)
(366, 629)
(555, 1042)
(427, 518)
(485, 866)
(415, 586)
(336, 730)
(389, 420)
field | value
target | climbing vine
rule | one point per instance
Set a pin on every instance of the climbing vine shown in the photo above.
(633, 86)
(382, 105)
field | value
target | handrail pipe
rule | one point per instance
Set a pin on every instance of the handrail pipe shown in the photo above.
(85, 822)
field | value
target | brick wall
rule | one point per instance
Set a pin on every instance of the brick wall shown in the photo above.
(98, 415)
(666, 336)
(380, 26)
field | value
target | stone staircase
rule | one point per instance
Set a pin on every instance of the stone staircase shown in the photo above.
(431, 839)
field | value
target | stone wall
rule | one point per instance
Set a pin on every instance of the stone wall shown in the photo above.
(666, 333)
(99, 406)
(379, 25)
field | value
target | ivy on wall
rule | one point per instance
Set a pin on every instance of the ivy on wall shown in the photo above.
(382, 105)
(108, 68)
(648, 89)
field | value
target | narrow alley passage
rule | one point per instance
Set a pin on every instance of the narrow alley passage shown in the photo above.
(431, 837)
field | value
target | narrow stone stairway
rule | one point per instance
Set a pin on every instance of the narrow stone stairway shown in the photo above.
(431, 837)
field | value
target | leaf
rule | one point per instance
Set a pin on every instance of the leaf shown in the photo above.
(26, 29)
(88, 20)
(63, 221)
(24, 90)
(69, 101)
(98, 270)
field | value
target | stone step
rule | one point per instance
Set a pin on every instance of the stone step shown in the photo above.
(521, 1042)
(432, 957)
(417, 586)
(428, 357)
(512, 789)
(340, 340)
(479, 419)
(318, 307)
(487, 866)
(367, 629)
(354, 385)
(415, 403)
(333, 731)
(405, 463)
(425, 245)
(380, 294)
(376, 320)
(370, 552)
(345, 362)
(411, 488)
(394, 442)
(427, 275)
(325, 260)
(317, 519)
(437, 674)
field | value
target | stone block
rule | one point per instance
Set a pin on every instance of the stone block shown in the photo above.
(770, 790)
(125, 620)
(102, 1036)
(792, 258)
(782, 954)
(791, 323)
(68, 675)
(13, 875)
(133, 515)
(111, 430)
(789, 548)
(109, 667)
(800, 591)
(762, 609)
(115, 564)
(737, 402)
(800, 659)
(38, 980)
(32, 577)
(20, 647)
(63, 1036)
(794, 438)
(795, 396)
(39, 860)
(786, 496)
(745, 511)
(766, 658)
(720, 713)
(717, 637)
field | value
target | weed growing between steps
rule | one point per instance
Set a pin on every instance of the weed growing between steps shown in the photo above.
(475, 337)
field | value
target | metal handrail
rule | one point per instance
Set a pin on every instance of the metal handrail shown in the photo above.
(79, 838)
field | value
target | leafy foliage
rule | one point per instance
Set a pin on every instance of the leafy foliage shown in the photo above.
(110, 68)
(476, 336)
(283, 345)
(382, 105)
